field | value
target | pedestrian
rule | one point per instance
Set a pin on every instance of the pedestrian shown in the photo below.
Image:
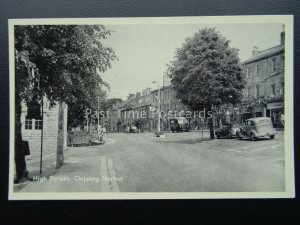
(211, 128)
(21, 150)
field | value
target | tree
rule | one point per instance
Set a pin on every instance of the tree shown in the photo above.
(206, 71)
(76, 111)
(110, 102)
(61, 63)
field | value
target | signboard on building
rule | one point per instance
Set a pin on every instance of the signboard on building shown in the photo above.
(275, 105)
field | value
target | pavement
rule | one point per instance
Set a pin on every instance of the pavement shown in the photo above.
(179, 162)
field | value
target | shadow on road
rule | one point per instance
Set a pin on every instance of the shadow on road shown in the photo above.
(189, 141)
(259, 139)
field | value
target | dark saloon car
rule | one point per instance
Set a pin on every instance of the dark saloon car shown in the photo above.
(227, 131)
(179, 124)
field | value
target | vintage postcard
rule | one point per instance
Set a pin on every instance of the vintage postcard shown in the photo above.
(151, 108)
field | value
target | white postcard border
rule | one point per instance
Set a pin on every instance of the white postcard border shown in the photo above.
(288, 20)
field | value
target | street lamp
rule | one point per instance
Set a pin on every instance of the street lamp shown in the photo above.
(158, 109)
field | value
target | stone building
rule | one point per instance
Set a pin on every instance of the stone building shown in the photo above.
(169, 104)
(264, 92)
(54, 124)
(140, 110)
(135, 111)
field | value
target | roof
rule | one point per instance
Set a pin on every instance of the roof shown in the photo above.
(265, 54)
(256, 119)
(179, 118)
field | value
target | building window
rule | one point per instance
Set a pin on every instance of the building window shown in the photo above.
(38, 124)
(33, 118)
(257, 91)
(273, 89)
(258, 70)
(28, 124)
(273, 64)
(248, 92)
(282, 89)
(248, 73)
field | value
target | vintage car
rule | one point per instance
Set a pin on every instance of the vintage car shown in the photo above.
(179, 124)
(227, 131)
(132, 129)
(255, 128)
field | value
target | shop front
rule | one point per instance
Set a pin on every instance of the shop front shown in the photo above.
(275, 111)
(258, 110)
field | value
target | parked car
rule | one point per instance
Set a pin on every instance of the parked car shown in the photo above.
(227, 131)
(132, 129)
(257, 128)
(179, 124)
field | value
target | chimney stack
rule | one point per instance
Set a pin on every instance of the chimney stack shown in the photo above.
(138, 95)
(282, 35)
(255, 50)
(130, 96)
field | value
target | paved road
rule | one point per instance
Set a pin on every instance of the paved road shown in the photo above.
(179, 162)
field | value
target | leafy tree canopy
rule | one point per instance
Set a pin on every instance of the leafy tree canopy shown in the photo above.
(206, 71)
(61, 62)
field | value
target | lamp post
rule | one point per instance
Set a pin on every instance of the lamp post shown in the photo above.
(158, 108)
(98, 127)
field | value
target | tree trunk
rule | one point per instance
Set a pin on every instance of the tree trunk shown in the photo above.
(20, 163)
(211, 128)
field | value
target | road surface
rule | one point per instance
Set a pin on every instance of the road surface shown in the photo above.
(180, 162)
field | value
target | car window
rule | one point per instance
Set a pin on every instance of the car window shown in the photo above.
(182, 121)
(263, 122)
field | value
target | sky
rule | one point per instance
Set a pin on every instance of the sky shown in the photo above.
(145, 50)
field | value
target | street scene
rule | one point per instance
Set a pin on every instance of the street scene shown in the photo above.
(157, 108)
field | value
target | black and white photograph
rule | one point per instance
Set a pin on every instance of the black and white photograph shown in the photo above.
(142, 108)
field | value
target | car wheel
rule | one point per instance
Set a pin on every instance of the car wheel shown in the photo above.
(229, 135)
(253, 138)
(238, 136)
(272, 136)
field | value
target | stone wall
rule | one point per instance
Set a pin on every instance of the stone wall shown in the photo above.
(50, 129)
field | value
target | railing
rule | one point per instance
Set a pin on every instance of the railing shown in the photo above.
(81, 137)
